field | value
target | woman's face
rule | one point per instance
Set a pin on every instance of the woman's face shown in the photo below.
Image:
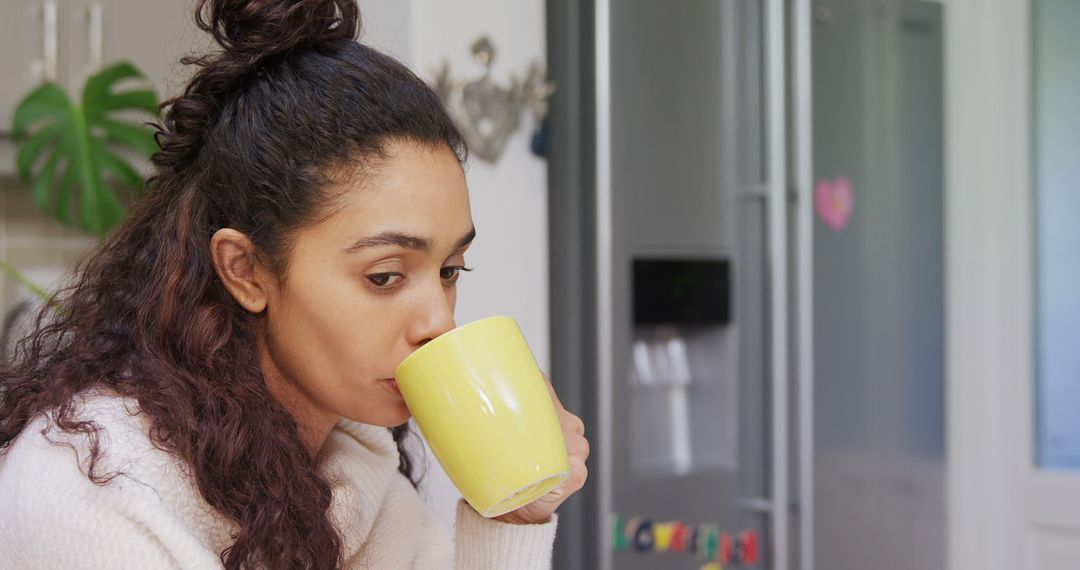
(369, 285)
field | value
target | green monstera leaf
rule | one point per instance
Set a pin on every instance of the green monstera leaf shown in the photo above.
(67, 151)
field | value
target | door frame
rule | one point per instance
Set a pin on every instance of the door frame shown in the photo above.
(1001, 508)
(989, 309)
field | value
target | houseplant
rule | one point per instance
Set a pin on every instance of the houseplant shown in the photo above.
(68, 151)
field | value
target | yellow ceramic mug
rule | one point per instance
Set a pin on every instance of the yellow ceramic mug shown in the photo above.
(484, 408)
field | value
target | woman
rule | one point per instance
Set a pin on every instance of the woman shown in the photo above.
(217, 386)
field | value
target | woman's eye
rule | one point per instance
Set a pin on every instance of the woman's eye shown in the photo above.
(452, 273)
(382, 280)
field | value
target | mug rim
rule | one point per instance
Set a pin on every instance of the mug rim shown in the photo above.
(446, 336)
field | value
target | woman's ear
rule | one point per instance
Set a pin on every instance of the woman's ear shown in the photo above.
(234, 260)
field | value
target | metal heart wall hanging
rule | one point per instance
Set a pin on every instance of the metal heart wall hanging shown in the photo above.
(486, 113)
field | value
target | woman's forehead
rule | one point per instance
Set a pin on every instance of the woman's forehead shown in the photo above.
(418, 195)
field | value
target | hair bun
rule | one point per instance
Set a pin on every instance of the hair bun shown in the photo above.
(263, 28)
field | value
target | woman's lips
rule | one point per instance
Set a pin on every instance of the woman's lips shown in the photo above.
(391, 385)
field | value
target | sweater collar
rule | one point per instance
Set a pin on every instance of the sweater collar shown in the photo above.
(360, 462)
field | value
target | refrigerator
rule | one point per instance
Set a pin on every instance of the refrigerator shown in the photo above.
(747, 281)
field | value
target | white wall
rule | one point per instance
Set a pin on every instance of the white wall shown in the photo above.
(509, 199)
(388, 26)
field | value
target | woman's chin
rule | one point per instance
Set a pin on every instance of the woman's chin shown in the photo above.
(391, 415)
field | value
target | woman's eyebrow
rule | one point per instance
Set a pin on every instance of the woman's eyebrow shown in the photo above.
(402, 240)
(398, 239)
(467, 238)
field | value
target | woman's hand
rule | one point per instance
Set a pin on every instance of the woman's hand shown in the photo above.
(577, 447)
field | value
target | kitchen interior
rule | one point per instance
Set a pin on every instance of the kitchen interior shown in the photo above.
(794, 262)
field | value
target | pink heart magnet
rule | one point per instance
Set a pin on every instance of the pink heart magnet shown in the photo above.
(834, 201)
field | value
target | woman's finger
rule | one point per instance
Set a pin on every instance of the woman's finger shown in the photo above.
(579, 473)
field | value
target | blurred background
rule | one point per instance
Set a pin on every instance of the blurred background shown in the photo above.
(808, 269)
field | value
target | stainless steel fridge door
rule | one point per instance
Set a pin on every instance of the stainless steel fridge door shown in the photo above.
(879, 286)
(691, 164)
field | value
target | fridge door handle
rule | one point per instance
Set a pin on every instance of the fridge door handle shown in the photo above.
(804, 256)
(776, 220)
(604, 278)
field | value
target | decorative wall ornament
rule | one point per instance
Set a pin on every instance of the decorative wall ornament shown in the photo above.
(487, 113)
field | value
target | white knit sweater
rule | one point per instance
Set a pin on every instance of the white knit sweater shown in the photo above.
(152, 516)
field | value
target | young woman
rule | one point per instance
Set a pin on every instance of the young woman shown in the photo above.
(216, 388)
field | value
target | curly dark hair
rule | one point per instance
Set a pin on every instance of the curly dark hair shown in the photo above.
(250, 144)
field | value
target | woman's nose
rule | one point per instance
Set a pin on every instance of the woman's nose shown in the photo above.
(435, 318)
